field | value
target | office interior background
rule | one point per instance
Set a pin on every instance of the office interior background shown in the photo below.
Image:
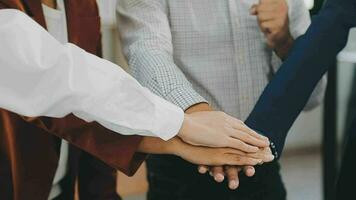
(303, 164)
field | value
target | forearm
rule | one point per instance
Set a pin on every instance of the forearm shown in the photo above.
(147, 41)
(156, 70)
(153, 145)
(286, 95)
(199, 108)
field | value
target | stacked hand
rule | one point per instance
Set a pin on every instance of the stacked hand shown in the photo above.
(202, 155)
(211, 138)
(215, 139)
(255, 141)
(232, 172)
(217, 129)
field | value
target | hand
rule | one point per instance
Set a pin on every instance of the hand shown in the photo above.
(217, 129)
(232, 172)
(199, 155)
(214, 156)
(272, 16)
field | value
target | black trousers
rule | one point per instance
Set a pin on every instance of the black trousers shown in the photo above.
(171, 178)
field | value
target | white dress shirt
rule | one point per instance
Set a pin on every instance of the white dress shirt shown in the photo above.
(39, 76)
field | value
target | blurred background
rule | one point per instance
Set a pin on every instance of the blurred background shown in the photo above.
(308, 167)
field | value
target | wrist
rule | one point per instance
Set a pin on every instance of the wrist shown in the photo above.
(176, 147)
(153, 145)
(282, 48)
(188, 122)
(186, 126)
(198, 108)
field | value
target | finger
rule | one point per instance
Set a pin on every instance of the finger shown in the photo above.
(202, 169)
(254, 133)
(247, 138)
(233, 159)
(238, 144)
(239, 125)
(232, 173)
(249, 171)
(218, 173)
(264, 156)
(238, 152)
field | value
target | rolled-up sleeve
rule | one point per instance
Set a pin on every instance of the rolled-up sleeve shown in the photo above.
(145, 33)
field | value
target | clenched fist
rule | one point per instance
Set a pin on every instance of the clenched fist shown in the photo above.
(272, 17)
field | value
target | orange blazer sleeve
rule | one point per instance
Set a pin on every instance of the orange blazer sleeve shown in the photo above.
(116, 150)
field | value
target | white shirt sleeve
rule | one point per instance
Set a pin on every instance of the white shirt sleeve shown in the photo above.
(41, 77)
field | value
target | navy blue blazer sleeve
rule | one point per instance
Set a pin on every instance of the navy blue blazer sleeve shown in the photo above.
(285, 96)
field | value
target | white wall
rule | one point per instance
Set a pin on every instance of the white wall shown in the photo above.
(111, 44)
(346, 70)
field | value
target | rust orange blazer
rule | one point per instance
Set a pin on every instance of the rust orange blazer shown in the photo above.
(29, 146)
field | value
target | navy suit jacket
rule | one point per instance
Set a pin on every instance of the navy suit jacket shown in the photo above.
(288, 92)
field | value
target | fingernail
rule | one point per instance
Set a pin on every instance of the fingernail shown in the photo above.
(233, 185)
(265, 138)
(202, 170)
(250, 172)
(219, 178)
